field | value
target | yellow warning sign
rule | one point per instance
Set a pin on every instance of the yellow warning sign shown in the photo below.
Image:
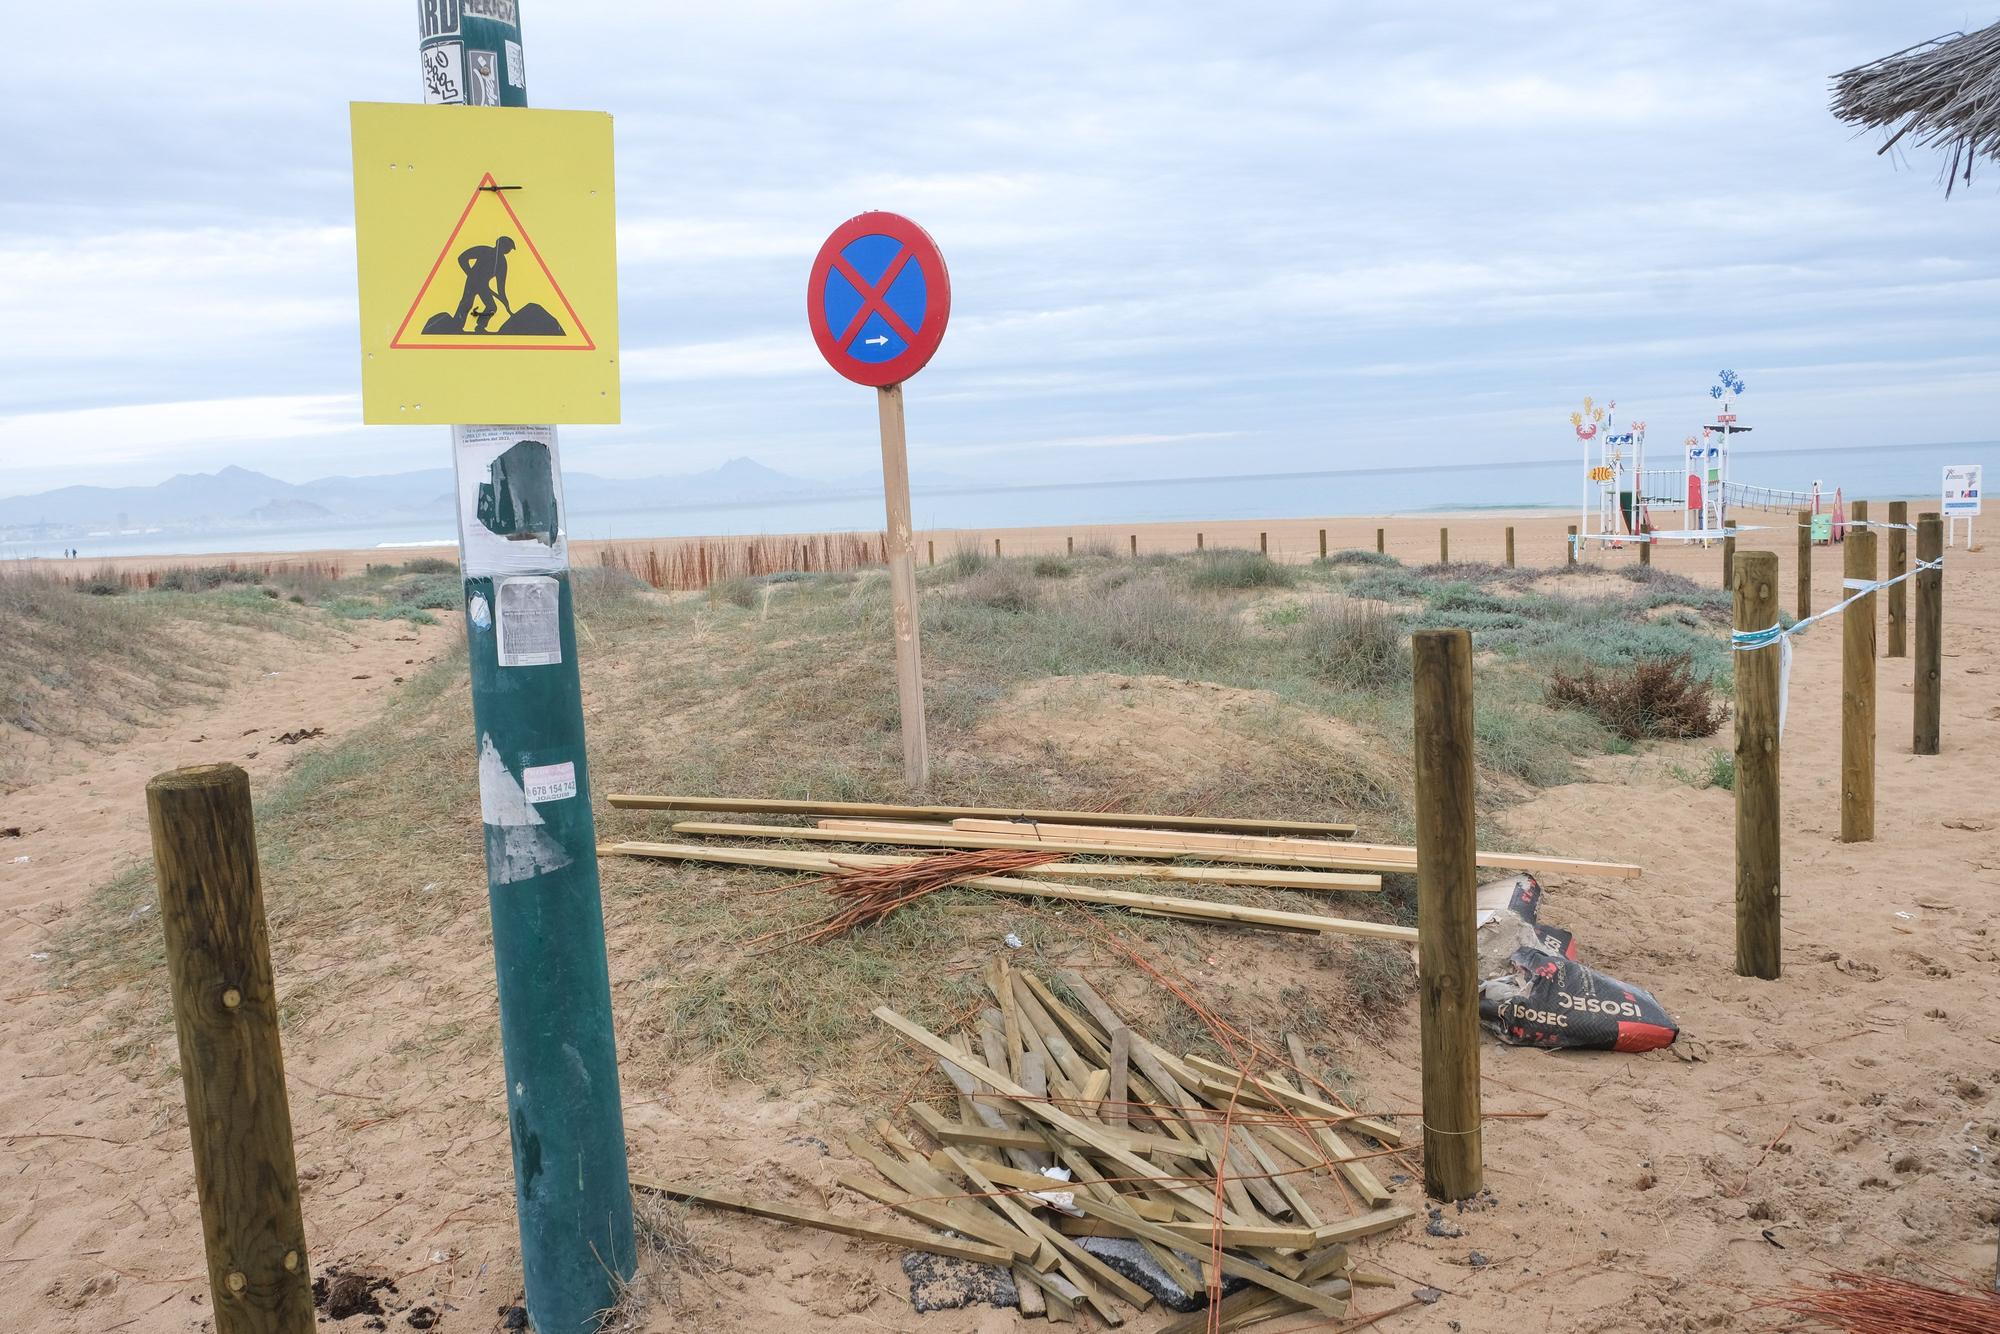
(488, 268)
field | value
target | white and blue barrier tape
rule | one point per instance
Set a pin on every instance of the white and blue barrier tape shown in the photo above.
(1747, 641)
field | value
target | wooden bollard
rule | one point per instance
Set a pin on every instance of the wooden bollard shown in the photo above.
(1135, 544)
(1447, 952)
(1899, 595)
(1930, 635)
(1510, 546)
(1805, 564)
(1857, 697)
(996, 546)
(1263, 543)
(930, 549)
(1444, 546)
(1381, 541)
(1322, 544)
(1729, 553)
(1197, 542)
(1645, 551)
(226, 1012)
(1572, 544)
(1069, 544)
(1758, 860)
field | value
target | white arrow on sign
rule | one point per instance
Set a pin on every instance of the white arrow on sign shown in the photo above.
(877, 340)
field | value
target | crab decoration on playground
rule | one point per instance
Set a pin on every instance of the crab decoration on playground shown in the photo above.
(1587, 421)
(1731, 384)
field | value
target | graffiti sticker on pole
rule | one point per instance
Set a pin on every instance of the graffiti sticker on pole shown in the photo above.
(878, 299)
(488, 265)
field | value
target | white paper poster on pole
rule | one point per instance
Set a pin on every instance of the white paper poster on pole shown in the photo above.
(510, 503)
(1962, 486)
(528, 628)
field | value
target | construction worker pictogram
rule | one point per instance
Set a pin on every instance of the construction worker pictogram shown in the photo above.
(467, 286)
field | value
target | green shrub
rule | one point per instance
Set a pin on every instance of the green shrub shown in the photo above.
(1053, 567)
(1002, 587)
(736, 592)
(1358, 556)
(1233, 568)
(1353, 644)
(964, 563)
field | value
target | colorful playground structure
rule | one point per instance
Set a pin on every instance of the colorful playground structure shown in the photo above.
(1622, 496)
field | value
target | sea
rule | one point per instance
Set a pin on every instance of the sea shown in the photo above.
(1886, 472)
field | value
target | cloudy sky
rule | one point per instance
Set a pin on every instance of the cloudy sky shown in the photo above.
(1184, 239)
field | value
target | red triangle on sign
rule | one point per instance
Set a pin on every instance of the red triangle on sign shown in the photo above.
(473, 290)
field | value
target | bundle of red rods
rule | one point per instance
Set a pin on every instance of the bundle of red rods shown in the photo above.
(1873, 1304)
(868, 894)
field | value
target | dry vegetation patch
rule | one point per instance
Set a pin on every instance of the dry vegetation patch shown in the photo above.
(1090, 682)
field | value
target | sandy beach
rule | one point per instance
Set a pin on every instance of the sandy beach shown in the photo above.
(1839, 1118)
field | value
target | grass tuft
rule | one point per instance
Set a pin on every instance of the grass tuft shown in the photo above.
(1235, 568)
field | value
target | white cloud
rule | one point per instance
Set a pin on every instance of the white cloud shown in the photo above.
(140, 433)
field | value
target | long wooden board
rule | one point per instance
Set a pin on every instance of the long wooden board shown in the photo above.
(891, 811)
(825, 1222)
(1166, 905)
(798, 859)
(1370, 854)
(910, 836)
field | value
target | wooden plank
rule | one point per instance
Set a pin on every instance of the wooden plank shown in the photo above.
(825, 1222)
(920, 1180)
(1118, 1091)
(1364, 1225)
(1230, 1264)
(1282, 1180)
(1367, 856)
(1097, 1136)
(1165, 905)
(912, 837)
(982, 1178)
(799, 859)
(892, 811)
(1285, 1235)
(1278, 1092)
(996, 1137)
(919, 1202)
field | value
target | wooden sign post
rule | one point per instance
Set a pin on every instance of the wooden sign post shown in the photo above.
(903, 586)
(878, 299)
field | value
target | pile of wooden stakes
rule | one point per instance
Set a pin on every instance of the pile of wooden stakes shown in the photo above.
(1070, 1126)
(1278, 854)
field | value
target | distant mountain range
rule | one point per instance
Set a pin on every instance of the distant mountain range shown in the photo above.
(237, 498)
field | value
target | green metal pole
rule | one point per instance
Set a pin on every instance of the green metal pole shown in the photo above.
(571, 1185)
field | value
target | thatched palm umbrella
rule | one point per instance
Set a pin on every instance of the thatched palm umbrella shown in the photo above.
(1943, 94)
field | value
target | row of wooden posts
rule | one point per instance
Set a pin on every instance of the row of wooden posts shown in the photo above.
(1759, 706)
(225, 1003)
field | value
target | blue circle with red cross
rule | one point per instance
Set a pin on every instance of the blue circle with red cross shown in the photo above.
(878, 299)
